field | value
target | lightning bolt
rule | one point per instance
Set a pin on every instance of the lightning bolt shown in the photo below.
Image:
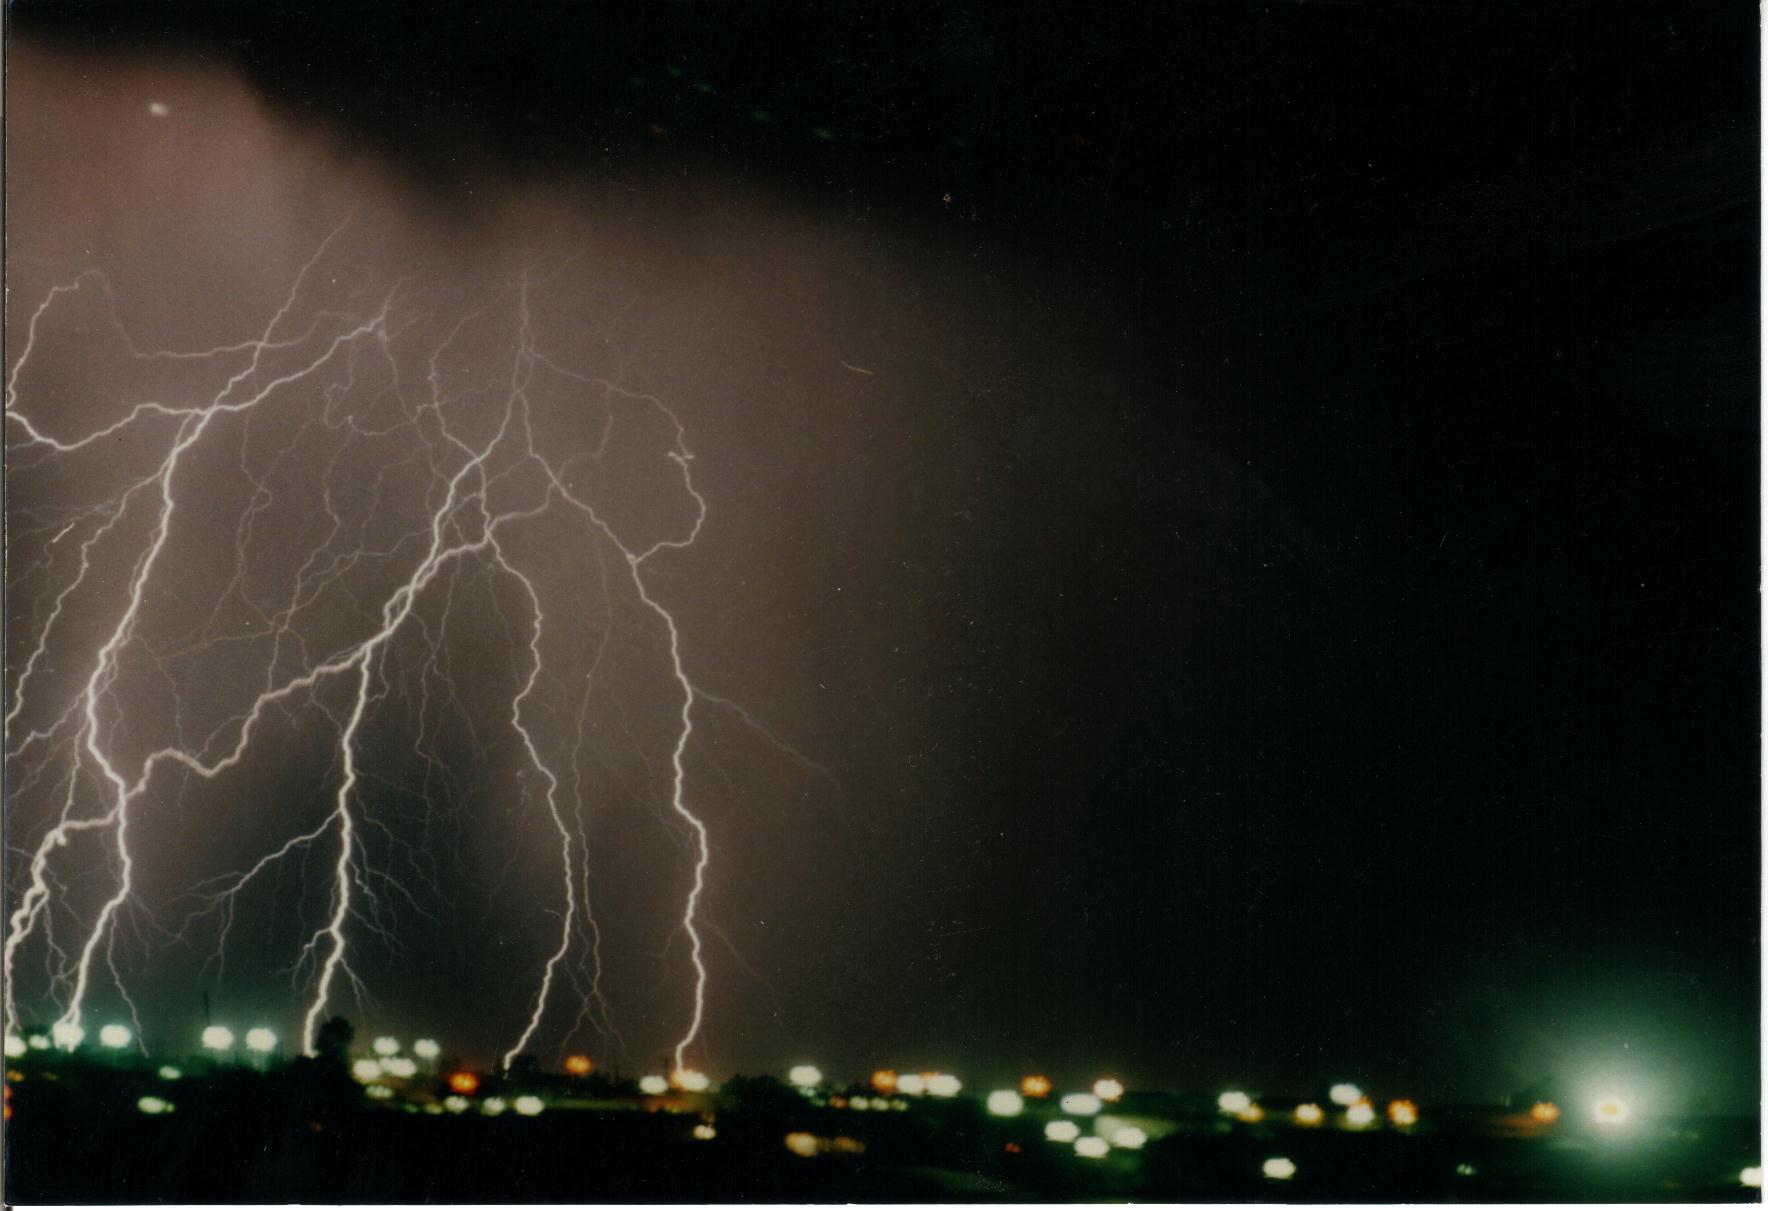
(484, 485)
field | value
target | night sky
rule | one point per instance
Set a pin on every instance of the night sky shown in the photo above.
(1230, 529)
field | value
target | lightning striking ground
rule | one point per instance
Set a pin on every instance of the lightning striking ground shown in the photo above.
(464, 476)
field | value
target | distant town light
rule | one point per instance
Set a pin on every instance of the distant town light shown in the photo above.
(1079, 1104)
(1004, 1103)
(693, 1082)
(1465, 1170)
(884, 1081)
(1346, 1094)
(456, 1104)
(115, 1036)
(1253, 1113)
(38, 1042)
(1544, 1112)
(1233, 1102)
(1035, 1085)
(801, 1143)
(1279, 1168)
(1751, 1177)
(1309, 1115)
(217, 1038)
(1129, 1137)
(401, 1066)
(911, 1083)
(528, 1105)
(15, 1046)
(705, 1131)
(1611, 1112)
(380, 1093)
(169, 1073)
(1107, 1089)
(67, 1035)
(1360, 1115)
(1061, 1131)
(805, 1076)
(366, 1070)
(944, 1084)
(493, 1106)
(463, 1082)
(153, 1105)
(578, 1065)
(1091, 1147)
(386, 1045)
(1402, 1113)
(426, 1049)
(653, 1085)
(261, 1039)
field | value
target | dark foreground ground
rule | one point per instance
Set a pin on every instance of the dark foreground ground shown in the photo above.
(77, 1135)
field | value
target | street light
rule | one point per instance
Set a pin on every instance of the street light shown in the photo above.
(1004, 1103)
(1107, 1089)
(1091, 1147)
(1279, 1168)
(1309, 1115)
(944, 1084)
(426, 1049)
(1346, 1094)
(1079, 1104)
(115, 1037)
(1233, 1102)
(15, 1046)
(805, 1076)
(386, 1045)
(67, 1035)
(653, 1085)
(261, 1039)
(217, 1038)
(1061, 1131)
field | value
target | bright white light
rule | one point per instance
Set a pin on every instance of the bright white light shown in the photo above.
(217, 1038)
(400, 1066)
(386, 1045)
(863, 1103)
(15, 1047)
(427, 1049)
(693, 1082)
(1061, 1131)
(1279, 1168)
(705, 1131)
(944, 1084)
(366, 1070)
(1465, 1170)
(1611, 1112)
(158, 109)
(1346, 1094)
(802, 1143)
(529, 1106)
(1107, 1089)
(1079, 1104)
(1751, 1177)
(805, 1076)
(911, 1083)
(494, 1106)
(1309, 1115)
(115, 1037)
(38, 1042)
(153, 1105)
(653, 1085)
(1360, 1115)
(261, 1039)
(456, 1104)
(169, 1073)
(67, 1036)
(1005, 1103)
(1233, 1102)
(1128, 1137)
(380, 1093)
(1091, 1147)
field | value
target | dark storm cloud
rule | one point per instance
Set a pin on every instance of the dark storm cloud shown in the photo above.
(1274, 598)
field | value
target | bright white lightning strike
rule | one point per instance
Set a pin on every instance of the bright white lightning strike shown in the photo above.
(492, 472)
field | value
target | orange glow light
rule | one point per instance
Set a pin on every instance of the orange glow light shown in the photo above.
(1036, 1085)
(1544, 1112)
(884, 1081)
(1403, 1113)
(578, 1065)
(463, 1082)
